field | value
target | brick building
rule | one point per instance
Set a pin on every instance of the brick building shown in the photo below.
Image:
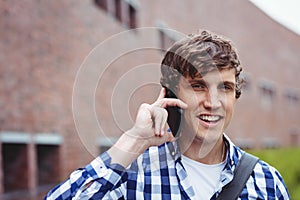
(60, 107)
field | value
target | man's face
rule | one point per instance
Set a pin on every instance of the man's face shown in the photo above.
(210, 101)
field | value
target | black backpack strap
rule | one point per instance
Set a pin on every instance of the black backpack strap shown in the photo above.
(241, 175)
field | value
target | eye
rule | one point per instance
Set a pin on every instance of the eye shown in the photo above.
(198, 85)
(226, 87)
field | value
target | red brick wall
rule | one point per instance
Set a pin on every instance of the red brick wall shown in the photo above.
(44, 43)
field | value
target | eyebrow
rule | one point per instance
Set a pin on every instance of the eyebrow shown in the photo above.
(200, 80)
(197, 81)
(229, 82)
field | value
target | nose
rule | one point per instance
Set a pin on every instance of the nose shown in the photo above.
(212, 100)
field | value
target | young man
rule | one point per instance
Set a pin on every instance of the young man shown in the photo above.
(201, 73)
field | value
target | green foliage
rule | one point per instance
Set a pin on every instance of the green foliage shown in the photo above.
(287, 162)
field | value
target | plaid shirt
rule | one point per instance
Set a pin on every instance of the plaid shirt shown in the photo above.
(159, 174)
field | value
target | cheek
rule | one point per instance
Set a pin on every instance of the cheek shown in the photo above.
(191, 100)
(190, 119)
(187, 95)
(229, 108)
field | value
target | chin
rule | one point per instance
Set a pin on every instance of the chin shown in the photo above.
(209, 135)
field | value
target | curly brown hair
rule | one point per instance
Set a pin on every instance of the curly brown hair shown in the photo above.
(196, 55)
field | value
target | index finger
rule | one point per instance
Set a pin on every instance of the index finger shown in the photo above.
(164, 102)
(162, 94)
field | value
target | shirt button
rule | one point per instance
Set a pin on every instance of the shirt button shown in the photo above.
(173, 153)
(102, 171)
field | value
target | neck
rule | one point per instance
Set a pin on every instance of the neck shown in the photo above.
(206, 153)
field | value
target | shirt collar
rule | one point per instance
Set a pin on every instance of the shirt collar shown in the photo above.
(233, 153)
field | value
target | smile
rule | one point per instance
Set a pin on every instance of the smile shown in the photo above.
(210, 118)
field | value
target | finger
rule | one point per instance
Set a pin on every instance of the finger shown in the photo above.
(165, 102)
(168, 137)
(162, 94)
(174, 102)
(159, 116)
(163, 122)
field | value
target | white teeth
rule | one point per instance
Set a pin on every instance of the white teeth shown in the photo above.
(210, 118)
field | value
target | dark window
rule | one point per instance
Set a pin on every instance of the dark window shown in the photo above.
(267, 91)
(132, 17)
(292, 98)
(106, 143)
(246, 82)
(166, 41)
(104, 148)
(48, 164)
(15, 166)
(118, 10)
(294, 137)
(123, 11)
(102, 4)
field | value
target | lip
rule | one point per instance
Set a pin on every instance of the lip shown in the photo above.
(210, 124)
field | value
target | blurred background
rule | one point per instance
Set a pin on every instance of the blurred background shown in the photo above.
(45, 45)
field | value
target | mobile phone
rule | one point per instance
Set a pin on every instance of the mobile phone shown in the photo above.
(174, 115)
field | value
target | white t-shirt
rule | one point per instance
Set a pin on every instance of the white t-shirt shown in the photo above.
(204, 178)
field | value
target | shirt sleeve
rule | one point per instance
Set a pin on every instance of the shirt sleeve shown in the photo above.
(98, 179)
(281, 189)
(266, 183)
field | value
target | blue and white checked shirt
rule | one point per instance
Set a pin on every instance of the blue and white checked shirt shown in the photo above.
(159, 174)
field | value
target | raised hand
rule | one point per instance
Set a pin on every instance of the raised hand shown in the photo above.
(150, 129)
